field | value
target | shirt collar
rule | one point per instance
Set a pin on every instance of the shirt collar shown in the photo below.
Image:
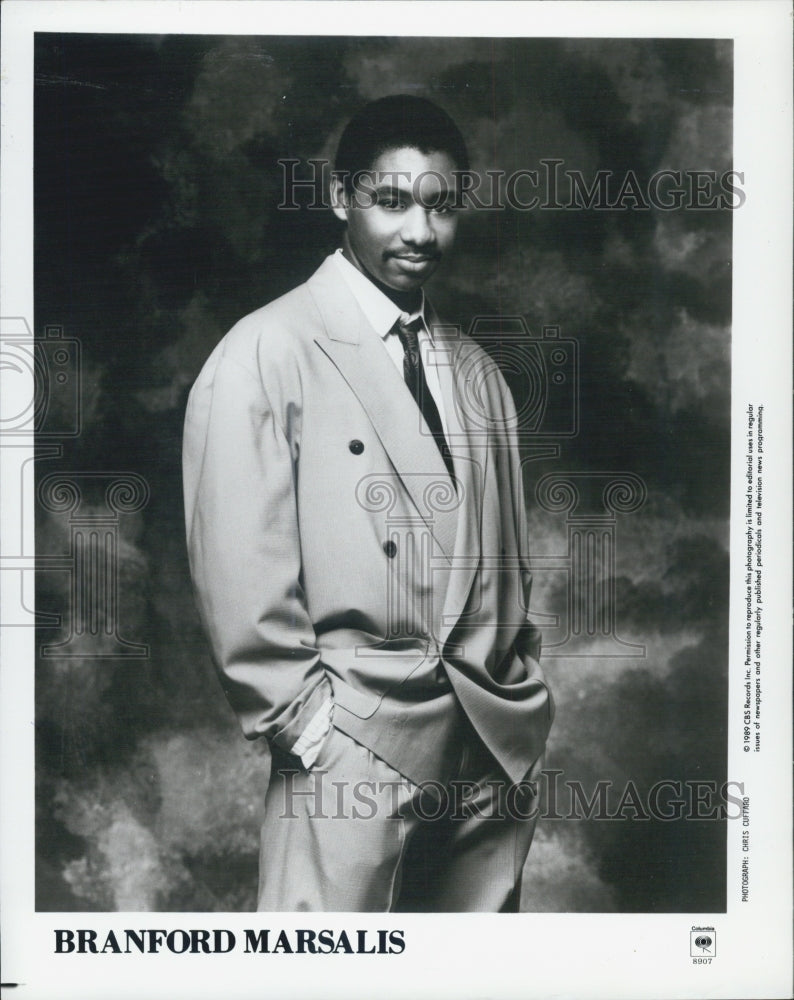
(378, 308)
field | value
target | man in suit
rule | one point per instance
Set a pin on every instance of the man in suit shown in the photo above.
(356, 530)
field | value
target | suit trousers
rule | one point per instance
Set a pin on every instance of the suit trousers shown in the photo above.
(353, 834)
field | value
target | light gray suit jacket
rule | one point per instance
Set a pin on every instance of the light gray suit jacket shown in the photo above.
(331, 554)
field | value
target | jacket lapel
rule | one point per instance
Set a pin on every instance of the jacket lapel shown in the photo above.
(361, 358)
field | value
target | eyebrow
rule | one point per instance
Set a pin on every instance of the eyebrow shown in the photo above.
(390, 190)
(384, 191)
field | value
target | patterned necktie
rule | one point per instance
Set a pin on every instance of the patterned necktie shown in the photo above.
(414, 375)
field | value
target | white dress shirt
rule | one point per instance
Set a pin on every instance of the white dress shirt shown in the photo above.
(383, 314)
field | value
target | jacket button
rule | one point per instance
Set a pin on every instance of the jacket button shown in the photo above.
(356, 446)
(390, 548)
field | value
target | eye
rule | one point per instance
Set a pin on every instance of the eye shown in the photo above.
(391, 204)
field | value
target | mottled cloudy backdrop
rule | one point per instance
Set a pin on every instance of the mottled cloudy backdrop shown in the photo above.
(157, 226)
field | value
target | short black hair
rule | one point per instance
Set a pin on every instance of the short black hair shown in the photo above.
(392, 123)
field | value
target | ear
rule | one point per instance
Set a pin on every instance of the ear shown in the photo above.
(339, 200)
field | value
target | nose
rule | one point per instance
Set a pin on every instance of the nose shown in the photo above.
(417, 228)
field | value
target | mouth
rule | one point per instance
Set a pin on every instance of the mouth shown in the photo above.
(416, 258)
(418, 264)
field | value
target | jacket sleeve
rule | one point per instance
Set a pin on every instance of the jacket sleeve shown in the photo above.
(244, 551)
(527, 642)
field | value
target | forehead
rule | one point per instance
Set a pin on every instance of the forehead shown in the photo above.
(405, 166)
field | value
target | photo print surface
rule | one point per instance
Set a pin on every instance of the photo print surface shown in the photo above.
(180, 183)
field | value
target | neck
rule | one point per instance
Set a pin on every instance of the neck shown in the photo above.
(408, 301)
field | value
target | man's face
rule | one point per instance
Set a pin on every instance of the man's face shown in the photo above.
(400, 219)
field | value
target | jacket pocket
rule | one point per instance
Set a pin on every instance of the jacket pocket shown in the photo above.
(358, 702)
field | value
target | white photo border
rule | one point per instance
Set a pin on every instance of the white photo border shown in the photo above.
(531, 954)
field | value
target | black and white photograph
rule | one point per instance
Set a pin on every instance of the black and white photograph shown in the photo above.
(396, 518)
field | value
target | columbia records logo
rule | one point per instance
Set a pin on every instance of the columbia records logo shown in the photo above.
(703, 942)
